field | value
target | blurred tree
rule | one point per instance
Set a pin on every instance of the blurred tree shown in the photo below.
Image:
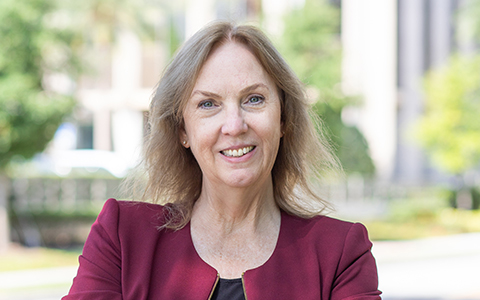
(35, 49)
(41, 38)
(100, 21)
(468, 19)
(450, 128)
(41, 45)
(34, 46)
(311, 44)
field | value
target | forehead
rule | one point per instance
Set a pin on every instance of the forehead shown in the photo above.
(232, 63)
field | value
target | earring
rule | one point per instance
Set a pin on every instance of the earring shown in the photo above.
(184, 142)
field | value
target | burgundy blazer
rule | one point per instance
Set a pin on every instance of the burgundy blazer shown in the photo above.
(127, 257)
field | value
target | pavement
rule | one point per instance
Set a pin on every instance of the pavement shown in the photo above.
(440, 268)
(37, 284)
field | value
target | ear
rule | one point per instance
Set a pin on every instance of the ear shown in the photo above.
(183, 138)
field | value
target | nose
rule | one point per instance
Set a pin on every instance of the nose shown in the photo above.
(234, 123)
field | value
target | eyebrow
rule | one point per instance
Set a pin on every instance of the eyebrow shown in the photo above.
(206, 94)
(245, 90)
(253, 87)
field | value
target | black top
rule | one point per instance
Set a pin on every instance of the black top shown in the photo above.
(229, 289)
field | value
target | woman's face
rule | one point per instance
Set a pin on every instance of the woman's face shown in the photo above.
(233, 119)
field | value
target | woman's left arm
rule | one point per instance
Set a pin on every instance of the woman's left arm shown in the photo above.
(356, 276)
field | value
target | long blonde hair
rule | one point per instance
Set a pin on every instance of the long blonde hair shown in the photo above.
(174, 177)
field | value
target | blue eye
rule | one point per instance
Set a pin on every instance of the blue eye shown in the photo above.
(255, 99)
(206, 104)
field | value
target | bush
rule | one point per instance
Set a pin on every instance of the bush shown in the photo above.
(420, 217)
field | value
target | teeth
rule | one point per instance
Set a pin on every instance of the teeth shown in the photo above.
(237, 152)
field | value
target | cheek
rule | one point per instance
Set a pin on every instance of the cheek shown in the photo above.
(193, 128)
(270, 133)
(201, 139)
(272, 124)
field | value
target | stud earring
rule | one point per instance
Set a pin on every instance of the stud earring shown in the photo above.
(184, 142)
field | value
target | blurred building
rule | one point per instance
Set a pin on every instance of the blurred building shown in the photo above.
(107, 129)
(388, 46)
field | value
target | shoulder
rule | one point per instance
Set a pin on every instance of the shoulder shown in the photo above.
(321, 224)
(324, 231)
(131, 207)
(122, 214)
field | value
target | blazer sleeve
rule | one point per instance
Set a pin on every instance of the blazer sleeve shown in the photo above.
(99, 273)
(357, 277)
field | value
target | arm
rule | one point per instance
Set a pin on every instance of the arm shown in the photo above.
(357, 271)
(99, 274)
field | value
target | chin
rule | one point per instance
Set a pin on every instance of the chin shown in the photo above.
(242, 180)
(240, 183)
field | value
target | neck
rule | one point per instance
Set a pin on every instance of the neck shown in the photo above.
(228, 209)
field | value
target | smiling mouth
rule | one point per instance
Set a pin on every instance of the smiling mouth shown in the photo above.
(238, 152)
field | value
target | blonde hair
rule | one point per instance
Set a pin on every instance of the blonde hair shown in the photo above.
(174, 176)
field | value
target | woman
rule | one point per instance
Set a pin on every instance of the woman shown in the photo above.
(231, 151)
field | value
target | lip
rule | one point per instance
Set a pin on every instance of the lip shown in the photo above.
(236, 147)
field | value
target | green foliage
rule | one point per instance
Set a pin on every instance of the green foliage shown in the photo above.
(311, 45)
(45, 37)
(450, 128)
(468, 18)
(351, 147)
(32, 46)
(99, 21)
(446, 221)
(421, 216)
(174, 38)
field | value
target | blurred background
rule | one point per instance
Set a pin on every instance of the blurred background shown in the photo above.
(396, 82)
